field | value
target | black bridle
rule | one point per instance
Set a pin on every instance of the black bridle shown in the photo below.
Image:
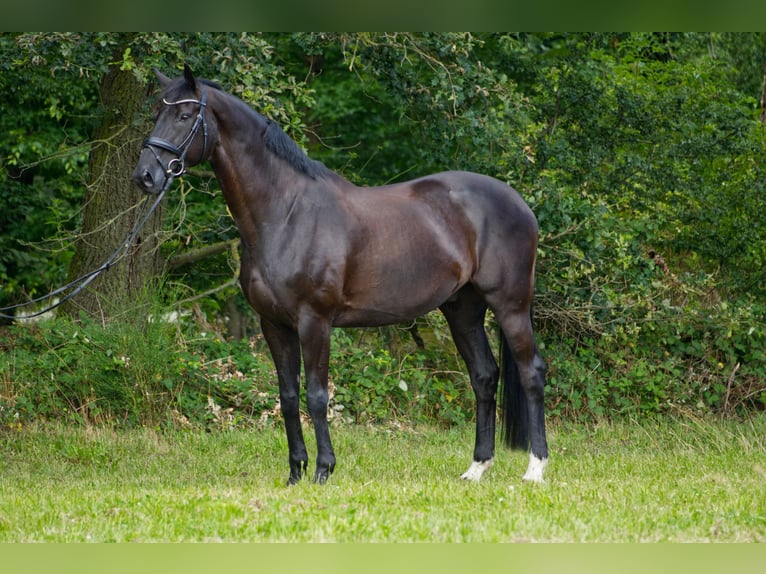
(176, 166)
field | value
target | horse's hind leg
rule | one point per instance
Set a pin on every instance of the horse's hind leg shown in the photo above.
(465, 315)
(516, 324)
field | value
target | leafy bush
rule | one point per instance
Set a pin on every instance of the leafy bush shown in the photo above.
(136, 373)
(131, 372)
(374, 384)
(140, 371)
(669, 358)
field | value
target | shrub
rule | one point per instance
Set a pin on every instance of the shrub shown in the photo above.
(132, 372)
(377, 380)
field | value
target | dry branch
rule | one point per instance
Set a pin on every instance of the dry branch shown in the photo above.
(194, 255)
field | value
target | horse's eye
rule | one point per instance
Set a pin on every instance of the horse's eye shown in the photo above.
(183, 117)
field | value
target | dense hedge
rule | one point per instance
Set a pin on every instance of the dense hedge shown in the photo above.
(145, 372)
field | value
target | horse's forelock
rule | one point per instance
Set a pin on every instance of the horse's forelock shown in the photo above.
(182, 88)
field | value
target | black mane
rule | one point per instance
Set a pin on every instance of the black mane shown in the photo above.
(282, 146)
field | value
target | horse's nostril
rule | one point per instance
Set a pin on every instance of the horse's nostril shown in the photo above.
(143, 178)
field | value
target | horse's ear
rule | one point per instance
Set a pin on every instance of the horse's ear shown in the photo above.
(162, 78)
(189, 77)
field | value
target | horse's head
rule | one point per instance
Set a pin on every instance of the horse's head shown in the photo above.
(181, 137)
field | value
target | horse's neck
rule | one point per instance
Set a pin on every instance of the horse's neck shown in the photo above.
(256, 191)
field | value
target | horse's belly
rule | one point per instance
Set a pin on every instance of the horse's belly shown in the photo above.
(369, 318)
(375, 299)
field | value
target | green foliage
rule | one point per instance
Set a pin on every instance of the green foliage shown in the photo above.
(372, 384)
(396, 105)
(669, 144)
(41, 171)
(642, 167)
(147, 372)
(135, 371)
(641, 155)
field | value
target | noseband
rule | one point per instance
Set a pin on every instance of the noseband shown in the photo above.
(176, 166)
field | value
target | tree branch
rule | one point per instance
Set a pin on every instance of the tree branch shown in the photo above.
(202, 173)
(189, 257)
(230, 283)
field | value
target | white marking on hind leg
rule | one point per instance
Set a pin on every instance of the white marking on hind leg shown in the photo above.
(476, 469)
(535, 469)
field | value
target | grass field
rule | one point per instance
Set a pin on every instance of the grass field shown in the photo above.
(665, 480)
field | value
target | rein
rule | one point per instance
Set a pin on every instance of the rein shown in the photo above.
(81, 282)
(174, 168)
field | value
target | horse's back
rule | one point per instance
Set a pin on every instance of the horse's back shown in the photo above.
(467, 206)
(486, 200)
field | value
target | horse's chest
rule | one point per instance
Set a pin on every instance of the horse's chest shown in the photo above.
(278, 293)
(263, 291)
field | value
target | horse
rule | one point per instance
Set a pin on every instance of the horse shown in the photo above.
(319, 252)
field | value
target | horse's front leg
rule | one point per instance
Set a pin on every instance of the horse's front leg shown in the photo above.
(314, 334)
(285, 350)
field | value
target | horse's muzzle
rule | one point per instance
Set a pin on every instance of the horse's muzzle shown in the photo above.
(149, 179)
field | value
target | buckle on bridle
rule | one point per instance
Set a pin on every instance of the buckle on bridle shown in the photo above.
(179, 170)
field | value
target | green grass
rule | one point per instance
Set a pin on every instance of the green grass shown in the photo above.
(664, 480)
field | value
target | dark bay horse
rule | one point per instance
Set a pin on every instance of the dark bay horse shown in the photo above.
(320, 252)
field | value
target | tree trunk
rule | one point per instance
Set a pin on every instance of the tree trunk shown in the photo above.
(110, 198)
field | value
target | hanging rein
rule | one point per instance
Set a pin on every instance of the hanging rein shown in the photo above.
(174, 168)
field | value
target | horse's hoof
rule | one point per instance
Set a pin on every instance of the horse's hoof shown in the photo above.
(323, 473)
(321, 476)
(298, 470)
(535, 469)
(476, 470)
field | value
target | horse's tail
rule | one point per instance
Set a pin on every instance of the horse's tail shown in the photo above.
(514, 413)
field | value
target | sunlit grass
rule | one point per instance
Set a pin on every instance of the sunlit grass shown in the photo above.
(681, 480)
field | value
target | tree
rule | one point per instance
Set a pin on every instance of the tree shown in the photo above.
(110, 201)
(62, 68)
